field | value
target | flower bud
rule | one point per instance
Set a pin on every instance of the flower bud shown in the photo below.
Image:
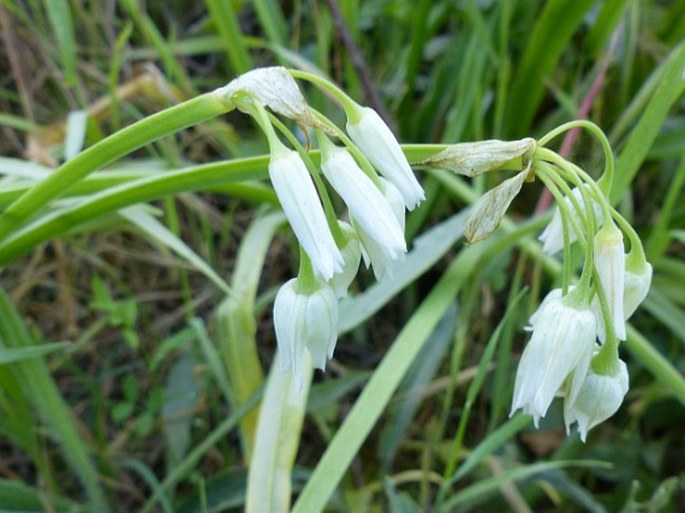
(305, 321)
(561, 345)
(475, 158)
(302, 207)
(488, 211)
(610, 264)
(373, 137)
(599, 398)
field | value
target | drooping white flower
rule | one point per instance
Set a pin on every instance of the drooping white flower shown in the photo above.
(561, 344)
(610, 264)
(305, 321)
(302, 207)
(599, 398)
(352, 254)
(376, 251)
(373, 137)
(552, 237)
(368, 206)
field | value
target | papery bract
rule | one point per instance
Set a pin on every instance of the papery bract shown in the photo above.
(302, 207)
(271, 87)
(475, 158)
(373, 137)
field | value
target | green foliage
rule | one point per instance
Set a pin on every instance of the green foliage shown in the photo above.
(156, 252)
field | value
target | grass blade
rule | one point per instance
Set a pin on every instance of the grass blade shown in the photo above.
(551, 35)
(49, 405)
(235, 322)
(670, 88)
(59, 14)
(226, 23)
(277, 438)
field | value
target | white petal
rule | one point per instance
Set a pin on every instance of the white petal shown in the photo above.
(302, 207)
(321, 321)
(610, 265)
(367, 205)
(381, 256)
(287, 322)
(377, 142)
(637, 283)
(562, 337)
(599, 398)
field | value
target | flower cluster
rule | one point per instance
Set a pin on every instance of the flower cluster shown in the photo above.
(573, 350)
(306, 308)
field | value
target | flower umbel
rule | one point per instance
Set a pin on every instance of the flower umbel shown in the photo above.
(305, 321)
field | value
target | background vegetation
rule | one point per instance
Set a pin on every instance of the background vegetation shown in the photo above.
(145, 407)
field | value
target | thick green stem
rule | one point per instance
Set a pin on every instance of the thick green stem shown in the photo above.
(607, 178)
(146, 130)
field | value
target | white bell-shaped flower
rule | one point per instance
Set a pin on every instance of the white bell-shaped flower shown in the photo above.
(368, 206)
(610, 264)
(561, 344)
(352, 254)
(373, 137)
(552, 237)
(302, 207)
(376, 251)
(599, 398)
(305, 321)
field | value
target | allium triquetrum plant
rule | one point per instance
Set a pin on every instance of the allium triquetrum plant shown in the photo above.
(382, 324)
